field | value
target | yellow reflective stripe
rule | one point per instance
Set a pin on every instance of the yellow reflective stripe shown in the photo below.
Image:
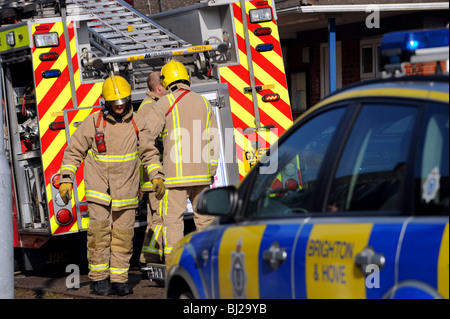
(147, 185)
(152, 167)
(167, 249)
(71, 168)
(125, 202)
(151, 248)
(187, 179)
(146, 102)
(98, 267)
(98, 195)
(177, 137)
(163, 203)
(164, 133)
(114, 158)
(208, 127)
(118, 271)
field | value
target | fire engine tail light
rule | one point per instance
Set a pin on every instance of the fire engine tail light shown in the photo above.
(260, 15)
(292, 184)
(56, 126)
(271, 97)
(55, 180)
(43, 27)
(50, 56)
(260, 3)
(64, 217)
(262, 31)
(47, 74)
(10, 39)
(43, 40)
(264, 47)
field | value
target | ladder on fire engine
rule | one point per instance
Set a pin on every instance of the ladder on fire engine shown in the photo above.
(122, 34)
(119, 29)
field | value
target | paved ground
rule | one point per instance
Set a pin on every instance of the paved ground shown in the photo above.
(53, 286)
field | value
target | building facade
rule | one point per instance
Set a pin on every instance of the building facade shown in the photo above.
(304, 27)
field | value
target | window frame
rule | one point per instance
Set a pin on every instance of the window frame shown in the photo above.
(406, 202)
(332, 159)
(373, 43)
(247, 184)
(413, 206)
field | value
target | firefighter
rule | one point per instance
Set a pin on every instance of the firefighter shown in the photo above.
(108, 143)
(152, 247)
(188, 126)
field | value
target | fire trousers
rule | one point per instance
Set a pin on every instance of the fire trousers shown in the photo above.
(109, 242)
(173, 206)
(152, 247)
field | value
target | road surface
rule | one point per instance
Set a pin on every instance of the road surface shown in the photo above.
(52, 285)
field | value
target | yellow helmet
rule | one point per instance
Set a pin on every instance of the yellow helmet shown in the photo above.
(174, 72)
(116, 89)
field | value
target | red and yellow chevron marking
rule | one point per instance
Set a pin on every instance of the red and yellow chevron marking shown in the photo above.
(54, 95)
(269, 72)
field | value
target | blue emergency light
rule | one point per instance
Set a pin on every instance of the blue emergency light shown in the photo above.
(398, 47)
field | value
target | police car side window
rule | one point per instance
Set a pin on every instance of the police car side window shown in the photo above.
(432, 170)
(371, 169)
(285, 183)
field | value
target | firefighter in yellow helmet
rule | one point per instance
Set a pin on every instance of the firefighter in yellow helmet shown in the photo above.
(111, 142)
(152, 246)
(188, 126)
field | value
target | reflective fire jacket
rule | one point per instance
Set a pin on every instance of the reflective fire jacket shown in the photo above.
(190, 136)
(112, 177)
(150, 97)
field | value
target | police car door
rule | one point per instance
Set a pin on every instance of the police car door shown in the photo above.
(255, 257)
(361, 245)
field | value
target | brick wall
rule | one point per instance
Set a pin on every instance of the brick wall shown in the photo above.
(424, 68)
(350, 61)
(156, 6)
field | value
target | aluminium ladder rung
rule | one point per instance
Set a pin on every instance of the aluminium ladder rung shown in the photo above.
(116, 15)
(126, 41)
(113, 21)
(124, 27)
(90, 4)
(104, 30)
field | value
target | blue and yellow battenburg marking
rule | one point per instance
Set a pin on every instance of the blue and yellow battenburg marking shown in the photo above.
(330, 257)
(323, 256)
(443, 265)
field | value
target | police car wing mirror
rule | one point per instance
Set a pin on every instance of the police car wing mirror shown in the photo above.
(220, 201)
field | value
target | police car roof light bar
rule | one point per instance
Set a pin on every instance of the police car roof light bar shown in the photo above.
(415, 46)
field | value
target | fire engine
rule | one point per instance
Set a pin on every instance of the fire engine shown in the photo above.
(54, 57)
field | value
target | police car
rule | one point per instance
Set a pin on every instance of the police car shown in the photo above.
(352, 202)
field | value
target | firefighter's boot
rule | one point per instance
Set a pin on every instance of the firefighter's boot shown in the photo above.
(122, 288)
(102, 287)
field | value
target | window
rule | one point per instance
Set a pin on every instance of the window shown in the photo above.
(370, 66)
(432, 171)
(370, 171)
(299, 90)
(325, 68)
(287, 190)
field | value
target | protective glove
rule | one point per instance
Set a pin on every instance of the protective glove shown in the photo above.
(158, 187)
(65, 190)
